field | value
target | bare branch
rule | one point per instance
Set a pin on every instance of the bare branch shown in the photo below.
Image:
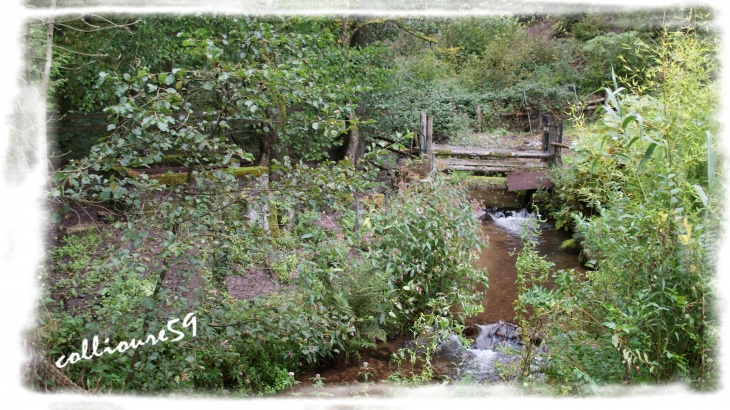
(124, 26)
(83, 54)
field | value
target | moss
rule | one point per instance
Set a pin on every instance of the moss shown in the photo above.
(570, 246)
(274, 222)
(170, 179)
(241, 172)
(173, 160)
(180, 178)
(477, 182)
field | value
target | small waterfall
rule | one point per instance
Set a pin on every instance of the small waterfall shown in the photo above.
(495, 343)
(510, 221)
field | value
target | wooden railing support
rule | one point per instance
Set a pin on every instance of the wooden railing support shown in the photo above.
(545, 131)
(479, 118)
(429, 144)
(422, 137)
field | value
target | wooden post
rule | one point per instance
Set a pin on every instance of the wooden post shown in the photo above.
(357, 216)
(429, 143)
(545, 131)
(527, 109)
(422, 136)
(560, 130)
(558, 160)
(479, 118)
(413, 138)
(552, 137)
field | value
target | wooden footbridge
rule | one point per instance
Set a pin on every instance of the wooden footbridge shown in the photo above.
(524, 168)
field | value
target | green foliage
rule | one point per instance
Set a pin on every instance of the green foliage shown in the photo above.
(337, 304)
(430, 330)
(71, 261)
(647, 312)
(532, 272)
(606, 52)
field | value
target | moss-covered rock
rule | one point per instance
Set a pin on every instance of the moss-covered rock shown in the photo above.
(242, 172)
(274, 222)
(170, 179)
(570, 246)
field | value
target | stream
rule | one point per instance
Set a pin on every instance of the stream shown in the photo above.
(492, 329)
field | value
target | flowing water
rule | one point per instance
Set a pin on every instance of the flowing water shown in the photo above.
(494, 329)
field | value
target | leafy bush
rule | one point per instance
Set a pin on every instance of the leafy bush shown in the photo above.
(643, 194)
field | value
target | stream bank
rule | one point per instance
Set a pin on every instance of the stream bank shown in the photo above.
(493, 330)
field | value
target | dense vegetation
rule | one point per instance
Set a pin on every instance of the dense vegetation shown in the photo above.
(355, 249)
(642, 193)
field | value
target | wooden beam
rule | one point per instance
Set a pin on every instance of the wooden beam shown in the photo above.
(450, 163)
(457, 151)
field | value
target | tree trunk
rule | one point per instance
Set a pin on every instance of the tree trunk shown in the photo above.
(49, 54)
(27, 54)
(267, 140)
(354, 139)
(354, 132)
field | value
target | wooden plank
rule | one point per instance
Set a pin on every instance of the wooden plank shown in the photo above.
(595, 100)
(478, 169)
(521, 181)
(508, 163)
(453, 150)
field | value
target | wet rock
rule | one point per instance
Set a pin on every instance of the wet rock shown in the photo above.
(497, 334)
(471, 331)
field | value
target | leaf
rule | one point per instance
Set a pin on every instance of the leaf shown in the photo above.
(162, 77)
(711, 162)
(633, 140)
(110, 127)
(627, 120)
(701, 193)
(647, 155)
(315, 125)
